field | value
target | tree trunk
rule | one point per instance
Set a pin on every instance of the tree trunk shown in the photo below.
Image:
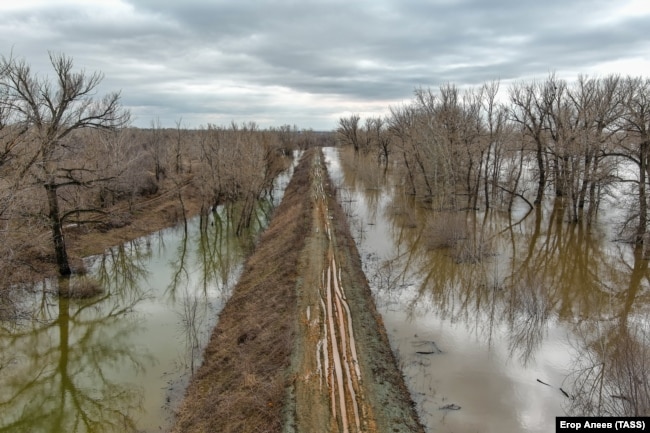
(486, 174)
(643, 200)
(542, 174)
(408, 169)
(586, 181)
(57, 231)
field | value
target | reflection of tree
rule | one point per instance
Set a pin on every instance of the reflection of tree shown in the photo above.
(211, 250)
(611, 375)
(529, 309)
(362, 173)
(544, 268)
(122, 268)
(217, 250)
(62, 382)
(179, 264)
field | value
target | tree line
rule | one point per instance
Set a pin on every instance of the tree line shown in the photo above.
(486, 146)
(70, 159)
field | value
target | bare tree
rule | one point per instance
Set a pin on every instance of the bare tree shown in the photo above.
(377, 136)
(529, 109)
(496, 117)
(156, 148)
(635, 148)
(178, 147)
(50, 110)
(288, 137)
(400, 126)
(349, 131)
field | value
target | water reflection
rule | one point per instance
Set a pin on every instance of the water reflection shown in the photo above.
(512, 302)
(120, 360)
(611, 371)
(63, 373)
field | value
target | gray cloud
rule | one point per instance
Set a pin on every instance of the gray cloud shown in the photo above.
(307, 62)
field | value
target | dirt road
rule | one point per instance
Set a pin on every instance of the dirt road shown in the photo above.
(323, 363)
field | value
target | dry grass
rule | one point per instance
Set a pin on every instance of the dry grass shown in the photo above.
(241, 385)
(450, 231)
(446, 230)
(149, 216)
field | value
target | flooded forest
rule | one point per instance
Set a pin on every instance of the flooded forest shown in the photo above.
(506, 241)
(503, 233)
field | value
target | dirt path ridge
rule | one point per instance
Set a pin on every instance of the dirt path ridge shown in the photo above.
(300, 347)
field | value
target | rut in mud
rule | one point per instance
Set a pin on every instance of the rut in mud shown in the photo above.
(300, 346)
(337, 364)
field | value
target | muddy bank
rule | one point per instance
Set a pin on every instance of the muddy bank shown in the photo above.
(300, 346)
(346, 378)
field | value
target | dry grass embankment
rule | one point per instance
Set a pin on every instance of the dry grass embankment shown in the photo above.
(241, 385)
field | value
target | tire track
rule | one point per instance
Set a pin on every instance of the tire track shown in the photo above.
(337, 345)
(344, 379)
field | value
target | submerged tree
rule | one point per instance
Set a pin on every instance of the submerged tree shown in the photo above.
(49, 111)
(635, 147)
(349, 131)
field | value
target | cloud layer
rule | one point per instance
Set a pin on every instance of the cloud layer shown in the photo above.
(309, 62)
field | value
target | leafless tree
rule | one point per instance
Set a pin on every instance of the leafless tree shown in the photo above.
(239, 165)
(529, 109)
(178, 147)
(635, 148)
(287, 135)
(349, 131)
(400, 126)
(50, 110)
(156, 148)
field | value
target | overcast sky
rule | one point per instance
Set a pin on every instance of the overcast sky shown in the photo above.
(310, 62)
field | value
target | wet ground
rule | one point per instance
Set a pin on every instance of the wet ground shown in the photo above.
(347, 379)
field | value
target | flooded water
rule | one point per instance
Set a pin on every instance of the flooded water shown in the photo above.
(501, 322)
(120, 361)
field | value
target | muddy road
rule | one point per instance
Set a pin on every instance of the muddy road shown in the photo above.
(300, 346)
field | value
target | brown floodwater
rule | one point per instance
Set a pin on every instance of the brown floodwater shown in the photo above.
(501, 322)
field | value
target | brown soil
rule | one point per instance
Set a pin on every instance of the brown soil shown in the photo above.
(300, 346)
